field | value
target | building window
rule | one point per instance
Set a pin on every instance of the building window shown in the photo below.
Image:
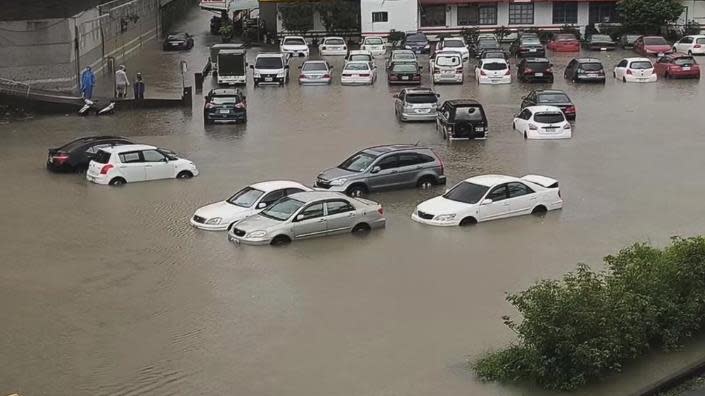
(477, 14)
(603, 12)
(565, 12)
(381, 16)
(521, 13)
(433, 15)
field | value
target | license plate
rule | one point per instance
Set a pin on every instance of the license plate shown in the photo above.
(268, 79)
(224, 111)
(539, 74)
(532, 50)
(686, 68)
(314, 77)
(592, 74)
(479, 129)
(661, 54)
(423, 110)
(603, 49)
(404, 77)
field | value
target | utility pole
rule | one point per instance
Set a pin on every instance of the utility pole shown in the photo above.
(78, 55)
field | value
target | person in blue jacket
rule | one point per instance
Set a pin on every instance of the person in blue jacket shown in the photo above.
(87, 82)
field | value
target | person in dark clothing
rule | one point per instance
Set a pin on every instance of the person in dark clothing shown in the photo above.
(139, 87)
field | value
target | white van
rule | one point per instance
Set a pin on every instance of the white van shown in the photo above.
(271, 68)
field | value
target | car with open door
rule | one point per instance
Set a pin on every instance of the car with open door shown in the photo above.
(462, 119)
(542, 122)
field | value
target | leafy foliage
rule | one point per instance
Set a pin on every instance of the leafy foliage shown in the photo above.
(470, 34)
(589, 324)
(297, 17)
(339, 15)
(648, 16)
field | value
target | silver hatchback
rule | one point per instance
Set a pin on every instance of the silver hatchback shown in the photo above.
(416, 104)
(307, 215)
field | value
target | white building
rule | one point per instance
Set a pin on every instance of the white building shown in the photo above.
(382, 16)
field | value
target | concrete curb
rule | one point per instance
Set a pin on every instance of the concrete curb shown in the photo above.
(672, 380)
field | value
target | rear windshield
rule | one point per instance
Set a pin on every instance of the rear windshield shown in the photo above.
(268, 63)
(448, 60)
(405, 68)
(294, 41)
(453, 44)
(225, 100)
(549, 118)
(641, 65)
(494, 66)
(601, 37)
(494, 55)
(487, 44)
(554, 98)
(314, 66)
(421, 98)
(591, 66)
(684, 61)
(335, 41)
(357, 66)
(416, 37)
(466, 192)
(538, 65)
(564, 37)
(530, 41)
(468, 114)
(403, 55)
(374, 41)
(655, 41)
(179, 36)
(360, 57)
(102, 157)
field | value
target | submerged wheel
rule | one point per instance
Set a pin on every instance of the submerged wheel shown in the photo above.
(118, 181)
(280, 240)
(540, 209)
(184, 175)
(356, 190)
(426, 182)
(361, 228)
(468, 221)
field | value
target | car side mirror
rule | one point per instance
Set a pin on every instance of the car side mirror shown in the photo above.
(166, 159)
(299, 217)
(376, 169)
(252, 67)
(486, 201)
(286, 66)
(261, 205)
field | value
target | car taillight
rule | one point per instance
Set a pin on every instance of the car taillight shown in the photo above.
(326, 76)
(570, 109)
(323, 47)
(440, 161)
(549, 70)
(697, 46)
(459, 70)
(533, 127)
(60, 157)
(435, 71)
(417, 77)
(240, 105)
(508, 72)
(393, 77)
(380, 211)
(345, 48)
(559, 194)
(482, 72)
(629, 71)
(105, 169)
(566, 126)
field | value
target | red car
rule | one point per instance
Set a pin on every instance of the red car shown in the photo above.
(677, 66)
(564, 42)
(652, 45)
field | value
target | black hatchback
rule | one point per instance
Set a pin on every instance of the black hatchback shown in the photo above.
(550, 97)
(535, 69)
(178, 41)
(75, 155)
(585, 70)
(461, 119)
(225, 104)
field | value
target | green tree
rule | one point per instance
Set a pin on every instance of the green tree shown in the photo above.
(648, 16)
(339, 15)
(297, 17)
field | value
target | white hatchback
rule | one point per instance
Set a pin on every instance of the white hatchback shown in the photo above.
(220, 216)
(358, 73)
(493, 71)
(454, 44)
(333, 46)
(135, 163)
(691, 45)
(635, 70)
(542, 122)
(373, 44)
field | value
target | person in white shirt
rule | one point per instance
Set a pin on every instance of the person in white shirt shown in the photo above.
(121, 82)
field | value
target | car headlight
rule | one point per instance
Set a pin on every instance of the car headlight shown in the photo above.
(215, 220)
(256, 74)
(407, 47)
(427, 46)
(280, 74)
(445, 217)
(338, 182)
(256, 234)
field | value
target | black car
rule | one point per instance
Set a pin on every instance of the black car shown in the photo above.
(417, 42)
(494, 53)
(75, 155)
(527, 46)
(404, 72)
(178, 41)
(535, 70)
(585, 70)
(461, 119)
(484, 43)
(225, 104)
(600, 42)
(550, 97)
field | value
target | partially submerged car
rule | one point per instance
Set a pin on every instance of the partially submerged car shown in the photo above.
(75, 155)
(677, 66)
(333, 46)
(564, 42)
(359, 56)
(635, 70)
(447, 67)
(416, 104)
(585, 70)
(178, 41)
(454, 44)
(542, 122)
(493, 71)
(550, 97)
(225, 104)
(535, 70)
(373, 44)
(417, 42)
(400, 56)
(358, 73)
(315, 72)
(404, 73)
(527, 47)
(600, 42)
(294, 46)
(652, 46)
(271, 68)
(462, 119)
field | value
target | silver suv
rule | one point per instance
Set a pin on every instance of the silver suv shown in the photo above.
(383, 168)
(416, 104)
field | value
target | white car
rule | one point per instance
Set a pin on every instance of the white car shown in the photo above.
(358, 73)
(493, 71)
(454, 44)
(333, 46)
(542, 122)
(359, 55)
(691, 45)
(130, 163)
(220, 216)
(270, 68)
(447, 67)
(635, 70)
(490, 197)
(373, 44)
(294, 46)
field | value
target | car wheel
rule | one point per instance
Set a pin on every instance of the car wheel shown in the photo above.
(624, 79)
(525, 135)
(184, 175)
(118, 181)
(361, 228)
(514, 126)
(614, 74)
(280, 240)
(426, 182)
(468, 221)
(356, 190)
(539, 210)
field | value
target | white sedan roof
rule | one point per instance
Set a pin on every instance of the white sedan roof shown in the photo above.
(267, 186)
(492, 180)
(360, 52)
(366, 63)
(333, 37)
(128, 147)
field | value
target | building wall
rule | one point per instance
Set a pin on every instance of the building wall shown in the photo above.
(402, 16)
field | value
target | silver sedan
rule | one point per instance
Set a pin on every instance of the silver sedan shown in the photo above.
(307, 215)
(315, 72)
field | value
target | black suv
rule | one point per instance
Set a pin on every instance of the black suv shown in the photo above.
(461, 119)
(225, 104)
(535, 69)
(585, 70)
(417, 42)
(75, 155)
(550, 97)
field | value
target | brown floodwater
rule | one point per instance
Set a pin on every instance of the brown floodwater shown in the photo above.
(110, 291)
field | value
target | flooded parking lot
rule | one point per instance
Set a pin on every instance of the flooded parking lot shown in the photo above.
(111, 291)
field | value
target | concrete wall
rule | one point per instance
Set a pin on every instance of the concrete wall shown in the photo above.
(402, 16)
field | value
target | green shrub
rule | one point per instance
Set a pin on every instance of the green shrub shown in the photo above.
(589, 324)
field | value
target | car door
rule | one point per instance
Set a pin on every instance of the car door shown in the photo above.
(620, 69)
(386, 172)
(520, 123)
(569, 69)
(522, 198)
(442, 117)
(498, 207)
(131, 166)
(340, 216)
(310, 221)
(157, 166)
(409, 169)
(399, 102)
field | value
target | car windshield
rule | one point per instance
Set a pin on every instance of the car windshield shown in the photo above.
(466, 192)
(225, 100)
(421, 98)
(314, 66)
(487, 44)
(549, 117)
(360, 57)
(447, 60)
(538, 65)
(453, 43)
(405, 68)
(416, 38)
(334, 41)
(601, 37)
(268, 63)
(403, 55)
(641, 65)
(554, 98)
(655, 41)
(494, 66)
(564, 37)
(468, 114)
(178, 36)
(591, 66)
(294, 41)
(373, 41)
(246, 197)
(282, 209)
(357, 66)
(102, 157)
(358, 162)
(684, 61)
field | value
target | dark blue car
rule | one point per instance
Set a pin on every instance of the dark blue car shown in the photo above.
(417, 42)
